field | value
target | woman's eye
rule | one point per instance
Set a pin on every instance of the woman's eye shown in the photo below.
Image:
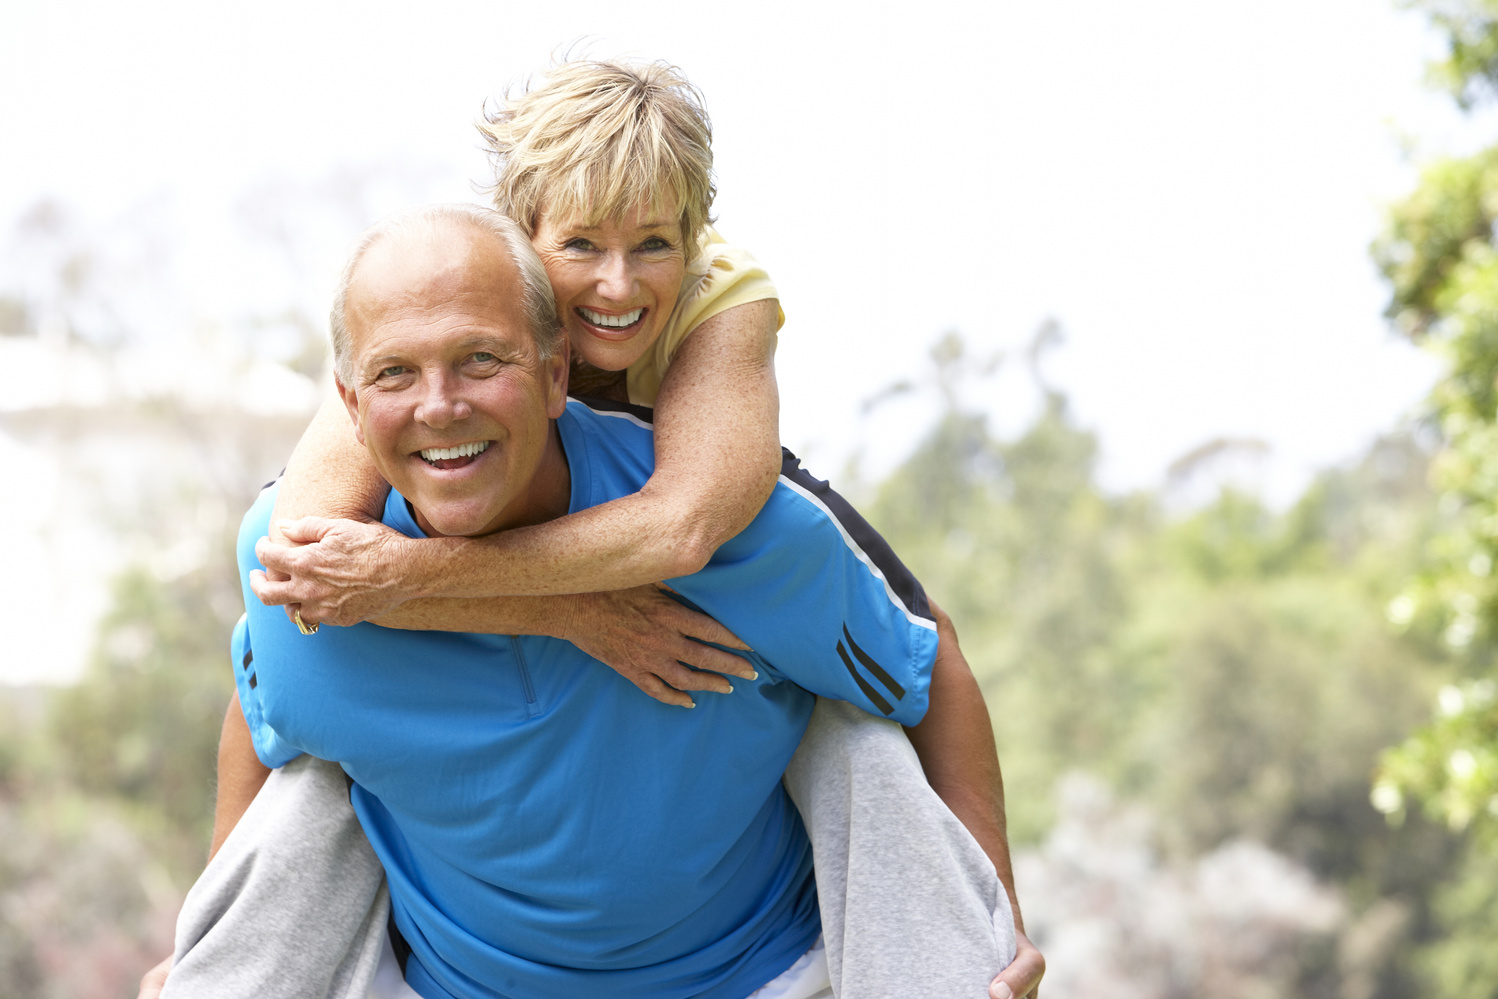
(579, 244)
(655, 244)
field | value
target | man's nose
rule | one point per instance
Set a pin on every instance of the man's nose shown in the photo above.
(442, 403)
(616, 279)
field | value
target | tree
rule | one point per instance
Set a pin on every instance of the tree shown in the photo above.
(1440, 257)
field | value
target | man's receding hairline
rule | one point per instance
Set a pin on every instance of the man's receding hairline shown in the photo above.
(427, 237)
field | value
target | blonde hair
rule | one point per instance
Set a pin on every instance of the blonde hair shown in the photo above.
(414, 223)
(596, 139)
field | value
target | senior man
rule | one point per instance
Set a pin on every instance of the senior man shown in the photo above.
(546, 831)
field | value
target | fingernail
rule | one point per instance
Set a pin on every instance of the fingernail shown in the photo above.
(691, 704)
(1001, 991)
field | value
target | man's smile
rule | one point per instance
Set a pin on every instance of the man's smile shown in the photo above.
(454, 457)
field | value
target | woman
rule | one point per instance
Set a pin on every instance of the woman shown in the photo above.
(608, 168)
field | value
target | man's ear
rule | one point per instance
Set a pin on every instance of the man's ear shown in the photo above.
(554, 371)
(351, 403)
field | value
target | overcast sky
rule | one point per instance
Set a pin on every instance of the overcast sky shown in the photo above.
(1188, 188)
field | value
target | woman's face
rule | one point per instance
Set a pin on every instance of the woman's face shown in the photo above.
(615, 282)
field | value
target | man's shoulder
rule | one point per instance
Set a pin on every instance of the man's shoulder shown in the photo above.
(610, 449)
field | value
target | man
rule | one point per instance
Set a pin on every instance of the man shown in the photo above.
(545, 830)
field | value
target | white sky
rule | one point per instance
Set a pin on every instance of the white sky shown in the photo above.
(1188, 187)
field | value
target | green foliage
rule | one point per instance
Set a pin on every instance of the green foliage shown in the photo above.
(1465, 964)
(1470, 70)
(1441, 260)
(143, 726)
(1232, 666)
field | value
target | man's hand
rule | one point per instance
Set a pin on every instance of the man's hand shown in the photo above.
(646, 637)
(154, 980)
(1022, 977)
(338, 572)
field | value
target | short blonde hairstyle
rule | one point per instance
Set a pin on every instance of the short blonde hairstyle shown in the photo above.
(595, 139)
(421, 221)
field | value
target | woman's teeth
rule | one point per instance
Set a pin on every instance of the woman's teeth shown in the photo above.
(612, 322)
(461, 451)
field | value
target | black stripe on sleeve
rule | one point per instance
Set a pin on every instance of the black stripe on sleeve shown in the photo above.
(644, 413)
(873, 667)
(863, 685)
(249, 657)
(901, 580)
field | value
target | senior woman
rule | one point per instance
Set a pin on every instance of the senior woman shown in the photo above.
(607, 167)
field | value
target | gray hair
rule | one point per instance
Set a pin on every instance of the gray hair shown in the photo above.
(540, 306)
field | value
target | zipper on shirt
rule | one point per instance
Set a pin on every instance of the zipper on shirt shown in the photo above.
(525, 677)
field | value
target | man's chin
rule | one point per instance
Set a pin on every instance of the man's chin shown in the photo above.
(452, 520)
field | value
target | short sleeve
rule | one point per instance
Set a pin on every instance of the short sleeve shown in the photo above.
(722, 277)
(823, 601)
(271, 748)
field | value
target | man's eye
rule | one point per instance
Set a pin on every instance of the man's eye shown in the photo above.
(484, 357)
(393, 371)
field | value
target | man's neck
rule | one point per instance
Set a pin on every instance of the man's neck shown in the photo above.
(547, 497)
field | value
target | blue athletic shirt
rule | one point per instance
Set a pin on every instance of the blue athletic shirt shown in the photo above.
(547, 829)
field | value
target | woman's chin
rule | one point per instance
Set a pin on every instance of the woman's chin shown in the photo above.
(611, 351)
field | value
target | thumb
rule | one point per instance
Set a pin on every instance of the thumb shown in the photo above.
(307, 531)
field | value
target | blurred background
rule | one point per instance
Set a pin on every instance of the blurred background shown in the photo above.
(1160, 339)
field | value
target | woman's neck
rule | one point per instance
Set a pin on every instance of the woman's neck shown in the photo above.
(595, 383)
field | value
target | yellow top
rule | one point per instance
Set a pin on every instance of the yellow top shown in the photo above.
(721, 277)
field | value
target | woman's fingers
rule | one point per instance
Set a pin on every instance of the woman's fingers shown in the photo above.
(682, 678)
(705, 657)
(661, 691)
(704, 628)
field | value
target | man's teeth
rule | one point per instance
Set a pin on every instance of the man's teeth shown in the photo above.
(614, 322)
(461, 451)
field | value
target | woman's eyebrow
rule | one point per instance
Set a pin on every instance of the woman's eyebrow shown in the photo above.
(653, 224)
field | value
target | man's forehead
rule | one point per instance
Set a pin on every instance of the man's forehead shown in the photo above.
(449, 272)
(435, 259)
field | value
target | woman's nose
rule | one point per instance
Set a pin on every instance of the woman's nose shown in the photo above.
(615, 279)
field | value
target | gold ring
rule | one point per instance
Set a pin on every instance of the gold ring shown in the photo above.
(302, 626)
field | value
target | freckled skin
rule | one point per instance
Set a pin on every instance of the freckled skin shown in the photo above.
(443, 356)
(613, 267)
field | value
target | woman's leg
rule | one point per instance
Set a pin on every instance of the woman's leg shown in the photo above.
(911, 905)
(293, 906)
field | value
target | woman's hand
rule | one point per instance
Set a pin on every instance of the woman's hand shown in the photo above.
(646, 637)
(338, 572)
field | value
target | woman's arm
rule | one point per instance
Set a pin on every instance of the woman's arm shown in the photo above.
(717, 459)
(329, 473)
(642, 634)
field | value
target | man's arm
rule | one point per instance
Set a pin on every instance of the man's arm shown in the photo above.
(956, 748)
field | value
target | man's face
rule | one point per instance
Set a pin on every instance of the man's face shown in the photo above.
(450, 395)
